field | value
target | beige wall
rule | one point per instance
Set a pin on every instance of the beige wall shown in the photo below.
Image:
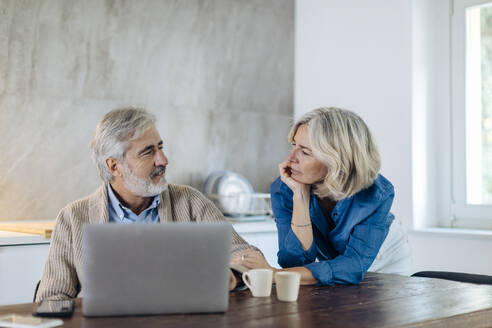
(218, 74)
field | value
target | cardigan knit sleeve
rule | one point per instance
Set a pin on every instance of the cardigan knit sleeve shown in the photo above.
(59, 280)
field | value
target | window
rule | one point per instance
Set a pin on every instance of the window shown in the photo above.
(471, 107)
(478, 104)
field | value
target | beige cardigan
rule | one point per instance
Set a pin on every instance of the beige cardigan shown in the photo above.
(64, 263)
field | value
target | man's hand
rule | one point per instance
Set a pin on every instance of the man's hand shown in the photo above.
(252, 259)
(232, 280)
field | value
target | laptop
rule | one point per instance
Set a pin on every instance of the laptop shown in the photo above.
(138, 269)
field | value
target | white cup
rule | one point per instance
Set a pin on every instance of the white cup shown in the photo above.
(287, 285)
(259, 281)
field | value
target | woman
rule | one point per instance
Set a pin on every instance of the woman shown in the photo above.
(331, 206)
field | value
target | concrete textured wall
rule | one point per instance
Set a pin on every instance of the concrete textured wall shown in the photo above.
(218, 74)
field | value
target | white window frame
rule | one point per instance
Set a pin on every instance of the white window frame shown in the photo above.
(462, 215)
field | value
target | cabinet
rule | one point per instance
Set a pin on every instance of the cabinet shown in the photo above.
(22, 258)
(262, 235)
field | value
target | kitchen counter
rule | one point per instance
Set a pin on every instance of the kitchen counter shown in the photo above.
(266, 226)
(8, 238)
(13, 238)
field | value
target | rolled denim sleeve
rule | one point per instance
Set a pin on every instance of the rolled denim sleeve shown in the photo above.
(363, 246)
(291, 252)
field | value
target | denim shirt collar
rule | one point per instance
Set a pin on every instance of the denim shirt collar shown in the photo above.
(317, 215)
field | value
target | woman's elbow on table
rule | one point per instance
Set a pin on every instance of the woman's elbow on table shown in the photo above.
(288, 260)
(328, 276)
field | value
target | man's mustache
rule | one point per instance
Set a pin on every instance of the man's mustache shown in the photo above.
(158, 170)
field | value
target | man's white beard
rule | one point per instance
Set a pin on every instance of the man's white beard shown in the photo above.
(143, 187)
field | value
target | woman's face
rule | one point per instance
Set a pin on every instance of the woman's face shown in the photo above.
(305, 168)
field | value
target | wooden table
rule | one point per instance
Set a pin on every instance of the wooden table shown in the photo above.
(381, 300)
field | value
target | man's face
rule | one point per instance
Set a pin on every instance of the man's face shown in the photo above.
(145, 164)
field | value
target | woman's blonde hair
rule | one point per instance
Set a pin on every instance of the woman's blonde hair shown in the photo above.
(342, 141)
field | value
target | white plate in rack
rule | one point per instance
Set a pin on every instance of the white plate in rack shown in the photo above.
(231, 184)
(210, 184)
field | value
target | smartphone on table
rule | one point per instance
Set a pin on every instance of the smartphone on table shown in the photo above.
(54, 308)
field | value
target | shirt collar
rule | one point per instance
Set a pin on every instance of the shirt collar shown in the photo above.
(317, 215)
(120, 209)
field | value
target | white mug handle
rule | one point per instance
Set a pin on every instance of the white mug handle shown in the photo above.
(246, 279)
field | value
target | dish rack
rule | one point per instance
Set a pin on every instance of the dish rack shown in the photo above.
(243, 204)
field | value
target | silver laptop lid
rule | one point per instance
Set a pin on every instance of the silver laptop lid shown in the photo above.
(155, 268)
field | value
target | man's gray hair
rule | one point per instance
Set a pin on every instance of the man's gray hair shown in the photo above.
(115, 132)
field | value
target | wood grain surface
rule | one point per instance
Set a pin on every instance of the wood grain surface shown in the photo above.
(44, 228)
(381, 300)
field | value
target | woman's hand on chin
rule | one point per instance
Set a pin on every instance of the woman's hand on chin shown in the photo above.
(297, 188)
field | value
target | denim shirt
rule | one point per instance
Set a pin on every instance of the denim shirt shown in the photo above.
(343, 254)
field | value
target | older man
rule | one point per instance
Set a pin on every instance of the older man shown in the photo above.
(128, 152)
